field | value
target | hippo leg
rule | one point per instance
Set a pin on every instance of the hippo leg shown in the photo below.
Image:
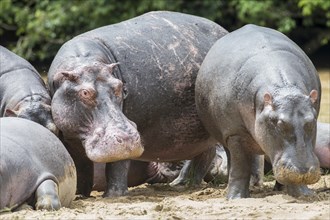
(116, 175)
(193, 172)
(183, 175)
(85, 175)
(257, 172)
(299, 190)
(84, 167)
(240, 168)
(47, 196)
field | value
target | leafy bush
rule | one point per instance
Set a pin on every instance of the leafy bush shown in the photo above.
(35, 29)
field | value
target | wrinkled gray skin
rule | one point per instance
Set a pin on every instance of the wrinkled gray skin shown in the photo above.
(23, 93)
(165, 172)
(35, 167)
(127, 91)
(258, 93)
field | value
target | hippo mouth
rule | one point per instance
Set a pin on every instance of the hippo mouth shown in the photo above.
(104, 148)
(292, 175)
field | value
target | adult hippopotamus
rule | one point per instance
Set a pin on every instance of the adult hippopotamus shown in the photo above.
(23, 93)
(35, 167)
(258, 93)
(127, 91)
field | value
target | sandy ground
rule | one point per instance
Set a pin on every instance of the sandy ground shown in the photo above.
(161, 201)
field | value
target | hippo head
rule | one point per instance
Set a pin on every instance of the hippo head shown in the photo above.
(35, 108)
(87, 105)
(286, 131)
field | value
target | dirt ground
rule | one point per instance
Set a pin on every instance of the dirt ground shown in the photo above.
(160, 201)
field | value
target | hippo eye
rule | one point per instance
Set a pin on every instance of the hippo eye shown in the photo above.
(87, 96)
(309, 126)
(285, 127)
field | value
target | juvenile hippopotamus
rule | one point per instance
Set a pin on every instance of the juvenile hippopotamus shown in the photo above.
(35, 167)
(23, 93)
(258, 93)
(126, 91)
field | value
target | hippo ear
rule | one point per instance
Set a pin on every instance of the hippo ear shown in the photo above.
(268, 99)
(65, 75)
(313, 96)
(11, 113)
(112, 66)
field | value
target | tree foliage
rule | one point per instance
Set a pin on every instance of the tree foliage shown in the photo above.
(35, 29)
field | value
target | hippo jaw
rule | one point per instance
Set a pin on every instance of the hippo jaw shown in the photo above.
(303, 172)
(113, 144)
(290, 175)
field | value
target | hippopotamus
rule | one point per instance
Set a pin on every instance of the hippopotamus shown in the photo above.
(126, 91)
(258, 93)
(322, 147)
(23, 93)
(35, 167)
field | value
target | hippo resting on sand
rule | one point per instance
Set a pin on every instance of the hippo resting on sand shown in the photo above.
(126, 91)
(258, 93)
(23, 93)
(35, 167)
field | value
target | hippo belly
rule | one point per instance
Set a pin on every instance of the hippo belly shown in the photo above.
(33, 160)
(257, 92)
(21, 99)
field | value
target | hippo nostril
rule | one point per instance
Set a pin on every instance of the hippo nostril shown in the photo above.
(119, 140)
(99, 132)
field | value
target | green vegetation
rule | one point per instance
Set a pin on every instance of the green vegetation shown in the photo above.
(35, 29)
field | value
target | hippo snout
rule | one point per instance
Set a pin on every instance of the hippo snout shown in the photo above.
(287, 172)
(112, 144)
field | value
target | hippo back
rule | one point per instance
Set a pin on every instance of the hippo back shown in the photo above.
(264, 61)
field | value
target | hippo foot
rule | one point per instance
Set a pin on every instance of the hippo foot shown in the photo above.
(193, 171)
(24, 206)
(237, 193)
(114, 193)
(178, 182)
(278, 187)
(299, 190)
(47, 196)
